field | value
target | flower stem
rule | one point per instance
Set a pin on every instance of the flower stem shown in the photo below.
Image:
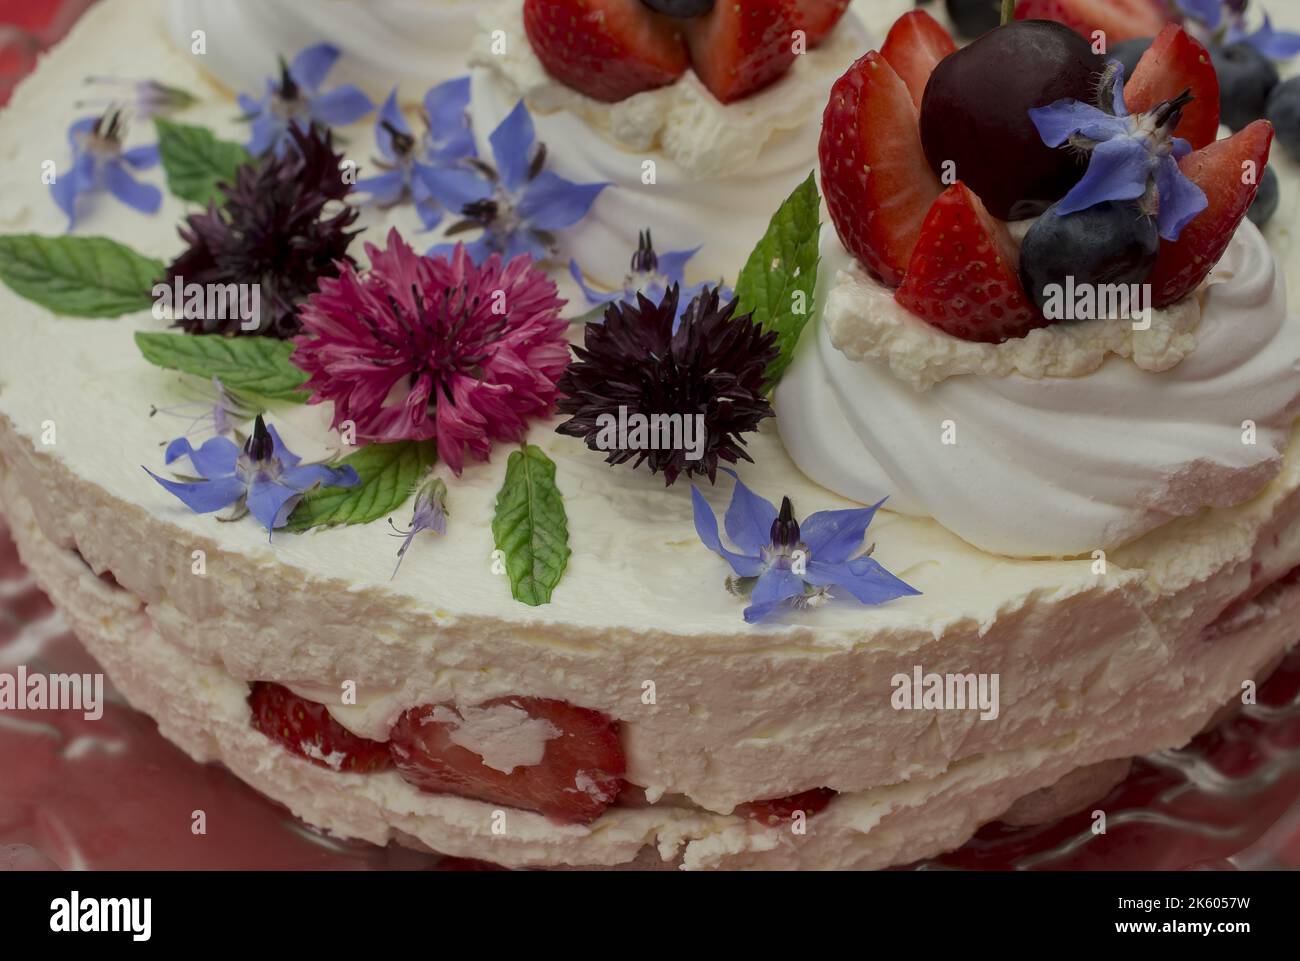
(1008, 11)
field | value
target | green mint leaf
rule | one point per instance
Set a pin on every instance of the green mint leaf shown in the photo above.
(196, 161)
(778, 280)
(530, 526)
(251, 365)
(79, 276)
(389, 474)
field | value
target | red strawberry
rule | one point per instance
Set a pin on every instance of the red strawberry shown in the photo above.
(742, 45)
(780, 810)
(307, 729)
(1177, 62)
(1219, 170)
(877, 182)
(914, 47)
(579, 775)
(1118, 19)
(963, 277)
(606, 49)
(817, 18)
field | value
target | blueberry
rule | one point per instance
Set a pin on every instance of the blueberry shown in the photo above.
(1246, 78)
(1111, 243)
(974, 18)
(680, 8)
(1267, 200)
(1284, 111)
(1129, 52)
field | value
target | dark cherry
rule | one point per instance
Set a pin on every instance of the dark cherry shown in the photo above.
(976, 114)
(680, 8)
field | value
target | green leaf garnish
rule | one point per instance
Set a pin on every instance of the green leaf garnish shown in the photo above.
(389, 474)
(251, 365)
(778, 280)
(79, 276)
(196, 161)
(531, 527)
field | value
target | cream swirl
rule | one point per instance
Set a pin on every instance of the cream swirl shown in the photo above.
(413, 44)
(719, 171)
(1060, 466)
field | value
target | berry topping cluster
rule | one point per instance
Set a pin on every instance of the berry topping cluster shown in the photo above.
(929, 152)
(612, 49)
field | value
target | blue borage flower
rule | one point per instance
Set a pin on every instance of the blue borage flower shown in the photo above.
(518, 204)
(100, 163)
(297, 99)
(145, 99)
(429, 514)
(264, 477)
(407, 160)
(652, 274)
(1133, 157)
(783, 564)
(1227, 20)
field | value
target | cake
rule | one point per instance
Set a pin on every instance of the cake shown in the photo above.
(559, 671)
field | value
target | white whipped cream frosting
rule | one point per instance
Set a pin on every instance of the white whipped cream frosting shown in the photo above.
(720, 171)
(1054, 466)
(867, 323)
(410, 43)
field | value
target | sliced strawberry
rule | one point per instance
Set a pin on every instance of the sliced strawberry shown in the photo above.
(580, 773)
(914, 47)
(780, 810)
(817, 18)
(742, 45)
(606, 49)
(306, 729)
(1177, 62)
(1219, 170)
(1118, 19)
(963, 277)
(877, 182)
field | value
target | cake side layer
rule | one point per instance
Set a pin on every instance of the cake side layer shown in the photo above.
(734, 719)
(202, 709)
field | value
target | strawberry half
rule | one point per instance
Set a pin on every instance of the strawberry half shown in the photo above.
(580, 773)
(742, 45)
(914, 47)
(306, 728)
(963, 277)
(1119, 19)
(1177, 62)
(817, 18)
(1219, 170)
(606, 49)
(780, 810)
(876, 180)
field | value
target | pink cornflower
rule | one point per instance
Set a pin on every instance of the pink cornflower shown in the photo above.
(432, 348)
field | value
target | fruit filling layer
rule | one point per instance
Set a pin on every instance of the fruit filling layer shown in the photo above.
(536, 754)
